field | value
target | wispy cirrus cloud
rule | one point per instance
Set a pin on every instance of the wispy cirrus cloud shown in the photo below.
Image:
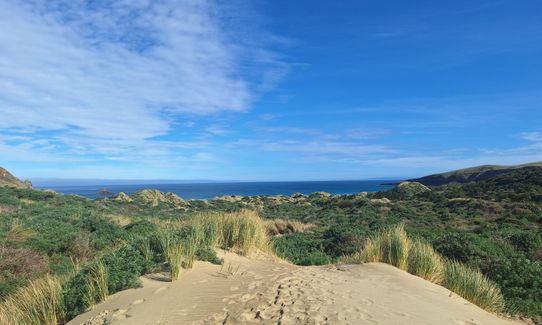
(532, 136)
(96, 78)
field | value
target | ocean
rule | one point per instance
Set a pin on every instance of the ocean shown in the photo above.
(210, 190)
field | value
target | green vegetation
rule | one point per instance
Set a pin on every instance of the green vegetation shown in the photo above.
(75, 251)
(94, 248)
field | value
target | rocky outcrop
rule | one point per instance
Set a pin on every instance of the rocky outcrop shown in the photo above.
(229, 198)
(411, 189)
(121, 197)
(319, 195)
(382, 201)
(155, 198)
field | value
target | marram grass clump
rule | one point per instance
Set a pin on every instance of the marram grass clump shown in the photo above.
(241, 231)
(393, 246)
(473, 286)
(424, 262)
(172, 250)
(38, 303)
(95, 284)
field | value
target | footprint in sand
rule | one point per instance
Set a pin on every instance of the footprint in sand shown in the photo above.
(119, 314)
(466, 322)
(159, 290)
(254, 285)
(367, 302)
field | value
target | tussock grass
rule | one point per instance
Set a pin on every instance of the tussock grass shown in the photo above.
(144, 246)
(174, 257)
(241, 231)
(172, 250)
(280, 226)
(38, 303)
(18, 233)
(95, 284)
(397, 247)
(473, 286)
(393, 246)
(424, 262)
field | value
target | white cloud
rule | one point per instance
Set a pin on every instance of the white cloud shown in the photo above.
(532, 136)
(106, 78)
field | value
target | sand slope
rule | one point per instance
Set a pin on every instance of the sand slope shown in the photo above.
(263, 290)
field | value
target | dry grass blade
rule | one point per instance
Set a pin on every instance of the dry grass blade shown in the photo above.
(38, 303)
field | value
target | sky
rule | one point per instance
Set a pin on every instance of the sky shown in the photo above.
(267, 90)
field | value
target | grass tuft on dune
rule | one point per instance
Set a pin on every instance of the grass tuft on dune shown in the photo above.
(473, 286)
(393, 246)
(242, 231)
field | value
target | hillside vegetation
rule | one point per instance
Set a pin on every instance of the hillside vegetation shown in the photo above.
(7, 179)
(473, 174)
(88, 249)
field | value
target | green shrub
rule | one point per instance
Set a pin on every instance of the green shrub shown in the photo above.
(520, 280)
(208, 254)
(302, 248)
(103, 233)
(343, 239)
(124, 267)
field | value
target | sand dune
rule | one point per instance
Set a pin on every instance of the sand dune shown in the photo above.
(263, 290)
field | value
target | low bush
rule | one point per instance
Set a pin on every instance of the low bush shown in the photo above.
(86, 288)
(124, 267)
(302, 248)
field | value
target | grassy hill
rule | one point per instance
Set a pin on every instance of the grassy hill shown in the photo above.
(7, 179)
(472, 174)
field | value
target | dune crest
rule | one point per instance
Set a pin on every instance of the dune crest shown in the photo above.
(262, 290)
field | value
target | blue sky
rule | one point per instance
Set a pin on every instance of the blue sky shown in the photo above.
(271, 90)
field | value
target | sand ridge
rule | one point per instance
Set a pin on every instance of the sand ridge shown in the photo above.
(264, 290)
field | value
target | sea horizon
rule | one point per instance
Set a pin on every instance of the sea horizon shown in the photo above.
(211, 189)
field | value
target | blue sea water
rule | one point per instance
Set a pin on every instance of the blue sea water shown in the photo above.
(210, 190)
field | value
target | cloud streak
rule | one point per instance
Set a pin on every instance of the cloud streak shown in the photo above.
(104, 77)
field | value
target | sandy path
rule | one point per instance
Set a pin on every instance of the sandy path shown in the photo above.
(262, 290)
